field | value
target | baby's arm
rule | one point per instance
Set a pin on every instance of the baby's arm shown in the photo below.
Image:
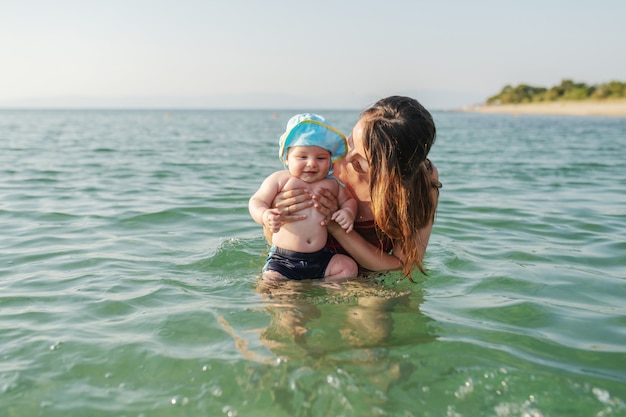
(347, 210)
(260, 203)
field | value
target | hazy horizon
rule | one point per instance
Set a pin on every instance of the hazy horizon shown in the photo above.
(277, 54)
(436, 100)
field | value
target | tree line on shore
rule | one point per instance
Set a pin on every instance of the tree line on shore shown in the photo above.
(567, 90)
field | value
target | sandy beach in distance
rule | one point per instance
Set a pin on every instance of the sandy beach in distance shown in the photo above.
(574, 108)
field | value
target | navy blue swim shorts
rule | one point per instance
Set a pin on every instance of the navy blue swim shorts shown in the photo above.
(298, 265)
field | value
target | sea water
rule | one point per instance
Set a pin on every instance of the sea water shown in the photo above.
(129, 265)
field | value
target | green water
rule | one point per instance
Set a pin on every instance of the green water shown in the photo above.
(128, 267)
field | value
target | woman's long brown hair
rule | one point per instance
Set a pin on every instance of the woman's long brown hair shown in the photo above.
(398, 135)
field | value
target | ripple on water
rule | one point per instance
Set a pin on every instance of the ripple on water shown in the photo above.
(130, 265)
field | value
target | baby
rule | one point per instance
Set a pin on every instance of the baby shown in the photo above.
(307, 148)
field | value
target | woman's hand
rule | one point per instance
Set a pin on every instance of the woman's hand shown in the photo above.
(326, 203)
(290, 202)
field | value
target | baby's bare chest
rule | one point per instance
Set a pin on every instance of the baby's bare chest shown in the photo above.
(296, 183)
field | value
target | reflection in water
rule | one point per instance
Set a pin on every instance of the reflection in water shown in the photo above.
(330, 343)
(324, 319)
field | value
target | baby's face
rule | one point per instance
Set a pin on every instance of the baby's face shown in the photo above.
(309, 163)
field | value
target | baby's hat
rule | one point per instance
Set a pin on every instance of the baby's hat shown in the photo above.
(307, 129)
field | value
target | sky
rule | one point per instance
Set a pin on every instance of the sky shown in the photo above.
(279, 54)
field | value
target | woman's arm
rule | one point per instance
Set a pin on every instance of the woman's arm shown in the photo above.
(371, 257)
(364, 253)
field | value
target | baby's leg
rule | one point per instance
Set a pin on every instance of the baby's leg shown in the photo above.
(273, 276)
(340, 268)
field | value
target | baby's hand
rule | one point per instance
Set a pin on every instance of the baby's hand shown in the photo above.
(271, 220)
(344, 218)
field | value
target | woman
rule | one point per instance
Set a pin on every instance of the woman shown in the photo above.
(395, 185)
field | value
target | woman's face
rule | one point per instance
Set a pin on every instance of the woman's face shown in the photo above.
(356, 155)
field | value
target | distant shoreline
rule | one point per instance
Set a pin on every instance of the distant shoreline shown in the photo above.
(570, 108)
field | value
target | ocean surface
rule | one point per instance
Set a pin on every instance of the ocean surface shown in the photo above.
(129, 265)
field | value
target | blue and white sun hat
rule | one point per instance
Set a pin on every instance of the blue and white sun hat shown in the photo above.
(307, 129)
